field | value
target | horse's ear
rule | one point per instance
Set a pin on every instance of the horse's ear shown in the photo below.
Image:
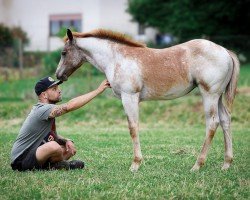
(69, 34)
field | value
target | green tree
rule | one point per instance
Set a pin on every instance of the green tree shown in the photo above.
(6, 38)
(188, 19)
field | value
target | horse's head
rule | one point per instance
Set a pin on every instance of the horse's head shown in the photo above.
(72, 57)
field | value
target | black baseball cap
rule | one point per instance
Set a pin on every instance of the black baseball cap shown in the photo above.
(44, 84)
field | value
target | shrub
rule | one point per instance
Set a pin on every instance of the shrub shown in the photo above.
(51, 61)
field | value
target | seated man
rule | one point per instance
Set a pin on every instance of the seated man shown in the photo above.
(38, 146)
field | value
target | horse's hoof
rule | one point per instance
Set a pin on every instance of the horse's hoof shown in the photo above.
(225, 166)
(195, 168)
(134, 167)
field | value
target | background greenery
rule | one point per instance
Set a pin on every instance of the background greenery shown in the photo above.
(222, 21)
(171, 134)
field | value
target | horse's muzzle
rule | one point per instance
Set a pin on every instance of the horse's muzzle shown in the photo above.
(61, 77)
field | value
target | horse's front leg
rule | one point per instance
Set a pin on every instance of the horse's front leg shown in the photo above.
(131, 106)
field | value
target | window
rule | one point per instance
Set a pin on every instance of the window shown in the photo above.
(141, 29)
(57, 22)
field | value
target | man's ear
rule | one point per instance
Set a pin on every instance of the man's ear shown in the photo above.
(44, 95)
(70, 35)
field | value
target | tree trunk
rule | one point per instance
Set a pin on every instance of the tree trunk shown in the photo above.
(20, 58)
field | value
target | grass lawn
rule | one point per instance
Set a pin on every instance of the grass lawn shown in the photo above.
(171, 134)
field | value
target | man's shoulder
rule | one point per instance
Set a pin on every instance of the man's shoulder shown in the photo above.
(41, 110)
(43, 105)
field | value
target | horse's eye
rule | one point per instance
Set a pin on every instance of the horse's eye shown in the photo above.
(63, 53)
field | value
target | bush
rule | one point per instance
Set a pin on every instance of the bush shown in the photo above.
(9, 44)
(6, 38)
(51, 61)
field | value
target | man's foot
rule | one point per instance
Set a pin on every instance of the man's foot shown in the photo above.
(66, 165)
(59, 165)
(76, 164)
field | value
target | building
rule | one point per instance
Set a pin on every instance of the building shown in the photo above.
(42, 19)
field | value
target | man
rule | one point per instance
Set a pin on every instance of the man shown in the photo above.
(38, 146)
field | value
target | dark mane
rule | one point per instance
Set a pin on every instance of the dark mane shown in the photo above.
(109, 35)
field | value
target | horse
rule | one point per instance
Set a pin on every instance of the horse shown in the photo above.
(137, 73)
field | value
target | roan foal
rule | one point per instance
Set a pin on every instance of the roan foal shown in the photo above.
(137, 73)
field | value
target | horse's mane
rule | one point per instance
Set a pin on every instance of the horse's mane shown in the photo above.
(109, 35)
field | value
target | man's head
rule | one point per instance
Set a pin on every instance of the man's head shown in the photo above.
(47, 90)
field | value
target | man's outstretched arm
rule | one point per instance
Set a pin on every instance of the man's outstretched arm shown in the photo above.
(77, 102)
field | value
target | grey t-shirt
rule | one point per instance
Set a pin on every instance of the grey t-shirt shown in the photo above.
(36, 126)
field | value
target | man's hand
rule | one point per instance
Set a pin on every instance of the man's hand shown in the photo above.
(70, 147)
(105, 84)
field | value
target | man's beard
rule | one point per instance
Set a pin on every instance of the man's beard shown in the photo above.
(55, 101)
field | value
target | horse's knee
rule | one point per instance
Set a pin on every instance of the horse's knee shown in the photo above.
(133, 129)
(137, 160)
(213, 123)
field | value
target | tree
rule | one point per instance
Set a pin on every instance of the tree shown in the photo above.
(6, 38)
(188, 19)
(12, 41)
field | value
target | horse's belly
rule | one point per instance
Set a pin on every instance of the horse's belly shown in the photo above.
(172, 93)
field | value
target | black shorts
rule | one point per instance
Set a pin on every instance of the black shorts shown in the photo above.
(26, 161)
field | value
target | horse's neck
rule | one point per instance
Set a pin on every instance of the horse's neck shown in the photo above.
(100, 52)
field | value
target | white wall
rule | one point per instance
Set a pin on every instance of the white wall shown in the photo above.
(114, 16)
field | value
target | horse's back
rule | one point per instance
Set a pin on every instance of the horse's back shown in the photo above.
(173, 72)
(210, 65)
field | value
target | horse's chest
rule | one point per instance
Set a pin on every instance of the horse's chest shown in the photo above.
(125, 78)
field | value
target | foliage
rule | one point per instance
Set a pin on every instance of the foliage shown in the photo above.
(18, 33)
(6, 38)
(193, 18)
(33, 58)
(51, 61)
(8, 35)
(9, 44)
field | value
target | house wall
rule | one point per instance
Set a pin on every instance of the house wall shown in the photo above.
(33, 17)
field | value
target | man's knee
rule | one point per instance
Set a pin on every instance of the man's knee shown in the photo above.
(51, 147)
(51, 150)
(54, 147)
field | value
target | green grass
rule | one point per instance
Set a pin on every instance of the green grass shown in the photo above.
(171, 135)
(169, 153)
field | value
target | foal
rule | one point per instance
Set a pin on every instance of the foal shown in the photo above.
(137, 73)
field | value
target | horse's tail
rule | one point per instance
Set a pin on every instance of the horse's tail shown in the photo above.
(232, 85)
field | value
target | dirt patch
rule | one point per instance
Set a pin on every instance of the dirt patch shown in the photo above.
(244, 90)
(11, 122)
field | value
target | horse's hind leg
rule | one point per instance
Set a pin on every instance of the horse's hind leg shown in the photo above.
(225, 122)
(210, 102)
(131, 106)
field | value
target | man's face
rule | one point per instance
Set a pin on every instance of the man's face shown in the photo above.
(54, 94)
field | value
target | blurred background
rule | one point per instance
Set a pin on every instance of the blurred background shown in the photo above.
(31, 33)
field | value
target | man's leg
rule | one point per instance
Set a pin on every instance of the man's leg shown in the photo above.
(51, 151)
(57, 154)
